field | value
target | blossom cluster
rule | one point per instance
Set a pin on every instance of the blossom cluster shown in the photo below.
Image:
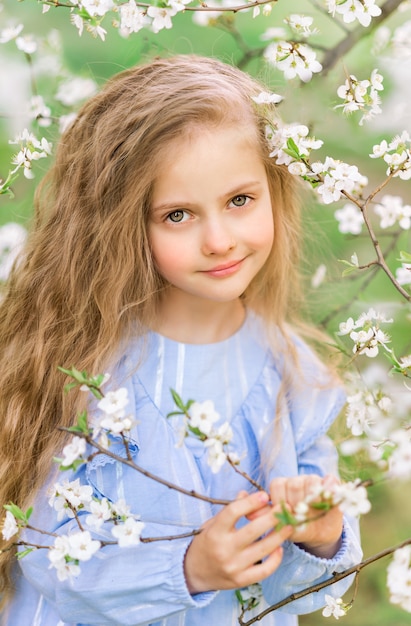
(334, 607)
(200, 421)
(69, 499)
(31, 149)
(396, 154)
(364, 409)
(399, 578)
(350, 10)
(350, 497)
(361, 95)
(12, 239)
(337, 179)
(293, 59)
(366, 334)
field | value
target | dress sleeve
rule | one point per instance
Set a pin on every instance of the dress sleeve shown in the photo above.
(300, 569)
(125, 586)
(314, 403)
(131, 585)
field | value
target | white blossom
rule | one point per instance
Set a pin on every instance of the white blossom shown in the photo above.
(70, 494)
(161, 18)
(345, 328)
(293, 59)
(73, 451)
(279, 137)
(399, 462)
(121, 508)
(338, 177)
(10, 32)
(301, 24)
(39, 111)
(391, 211)
(12, 239)
(10, 526)
(100, 512)
(31, 149)
(273, 33)
(216, 456)
(334, 607)
(57, 557)
(403, 274)
(401, 40)
(75, 89)
(319, 276)
(351, 498)
(132, 18)
(350, 10)
(396, 154)
(81, 546)
(65, 121)
(117, 423)
(350, 219)
(114, 402)
(27, 44)
(203, 416)
(128, 533)
(399, 578)
(357, 416)
(97, 7)
(361, 95)
(266, 97)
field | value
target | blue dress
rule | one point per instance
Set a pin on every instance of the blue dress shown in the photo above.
(145, 584)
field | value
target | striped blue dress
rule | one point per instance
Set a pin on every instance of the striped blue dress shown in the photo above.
(145, 584)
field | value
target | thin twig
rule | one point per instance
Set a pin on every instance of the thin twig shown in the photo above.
(342, 48)
(141, 470)
(326, 583)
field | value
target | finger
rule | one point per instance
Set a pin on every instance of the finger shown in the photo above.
(261, 549)
(241, 507)
(256, 528)
(297, 489)
(278, 490)
(261, 569)
(259, 513)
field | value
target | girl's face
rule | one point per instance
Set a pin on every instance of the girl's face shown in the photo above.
(211, 226)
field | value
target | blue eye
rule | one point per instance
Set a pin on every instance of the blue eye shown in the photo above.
(240, 201)
(177, 216)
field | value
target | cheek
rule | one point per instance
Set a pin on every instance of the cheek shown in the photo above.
(261, 232)
(170, 259)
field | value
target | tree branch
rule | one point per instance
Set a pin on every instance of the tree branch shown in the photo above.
(326, 583)
(333, 55)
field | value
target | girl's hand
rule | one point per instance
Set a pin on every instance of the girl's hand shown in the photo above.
(224, 557)
(321, 537)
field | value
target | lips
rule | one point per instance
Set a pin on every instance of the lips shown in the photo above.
(225, 269)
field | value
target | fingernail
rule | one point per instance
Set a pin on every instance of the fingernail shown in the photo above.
(263, 496)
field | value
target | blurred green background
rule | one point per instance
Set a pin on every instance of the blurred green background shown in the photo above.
(233, 40)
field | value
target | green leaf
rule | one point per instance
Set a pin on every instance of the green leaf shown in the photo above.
(239, 596)
(23, 553)
(292, 149)
(285, 518)
(405, 257)
(16, 511)
(321, 506)
(76, 464)
(172, 413)
(178, 401)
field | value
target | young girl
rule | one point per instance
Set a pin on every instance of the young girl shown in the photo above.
(165, 251)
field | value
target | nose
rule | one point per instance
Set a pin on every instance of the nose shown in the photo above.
(217, 237)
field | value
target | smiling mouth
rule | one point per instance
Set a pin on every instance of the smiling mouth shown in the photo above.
(225, 269)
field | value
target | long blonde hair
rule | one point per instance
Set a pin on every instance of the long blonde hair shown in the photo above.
(87, 280)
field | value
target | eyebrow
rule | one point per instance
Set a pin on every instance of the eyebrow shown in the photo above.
(238, 190)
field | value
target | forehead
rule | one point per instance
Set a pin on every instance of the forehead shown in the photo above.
(208, 164)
